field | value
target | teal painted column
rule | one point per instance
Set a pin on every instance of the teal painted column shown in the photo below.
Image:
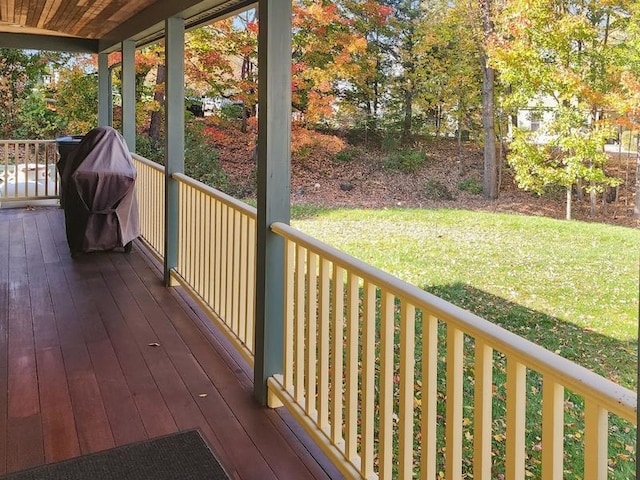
(129, 93)
(104, 91)
(274, 140)
(174, 137)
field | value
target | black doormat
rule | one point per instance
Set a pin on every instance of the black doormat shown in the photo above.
(175, 457)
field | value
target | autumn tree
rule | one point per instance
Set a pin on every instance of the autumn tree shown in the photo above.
(363, 93)
(564, 52)
(329, 57)
(221, 61)
(76, 96)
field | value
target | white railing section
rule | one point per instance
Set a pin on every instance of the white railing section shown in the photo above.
(216, 257)
(28, 170)
(150, 186)
(394, 382)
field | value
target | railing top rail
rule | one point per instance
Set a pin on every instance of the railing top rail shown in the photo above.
(223, 197)
(611, 396)
(148, 162)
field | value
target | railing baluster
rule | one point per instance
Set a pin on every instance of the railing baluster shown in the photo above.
(368, 378)
(429, 393)
(482, 410)
(300, 325)
(595, 444)
(312, 331)
(516, 407)
(290, 319)
(243, 247)
(407, 387)
(337, 352)
(235, 278)
(208, 247)
(224, 258)
(455, 374)
(387, 329)
(552, 429)
(324, 345)
(353, 319)
(218, 259)
(251, 262)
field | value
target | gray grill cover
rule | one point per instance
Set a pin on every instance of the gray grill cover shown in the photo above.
(98, 193)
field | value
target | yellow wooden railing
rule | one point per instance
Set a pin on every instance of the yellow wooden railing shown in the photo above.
(28, 170)
(389, 380)
(150, 186)
(216, 257)
(216, 253)
(375, 370)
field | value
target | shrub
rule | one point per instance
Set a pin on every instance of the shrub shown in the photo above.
(406, 161)
(231, 111)
(471, 185)
(347, 155)
(200, 156)
(436, 190)
(147, 149)
(201, 159)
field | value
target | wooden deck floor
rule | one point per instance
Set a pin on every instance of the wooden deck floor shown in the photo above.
(79, 372)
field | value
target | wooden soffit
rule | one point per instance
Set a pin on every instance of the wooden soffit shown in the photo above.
(99, 25)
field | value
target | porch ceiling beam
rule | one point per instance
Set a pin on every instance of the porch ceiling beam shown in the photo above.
(148, 25)
(48, 42)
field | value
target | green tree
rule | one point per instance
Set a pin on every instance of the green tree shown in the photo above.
(450, 66)
(76, 98)
(405, 36)
(570, 54)
(22, 104)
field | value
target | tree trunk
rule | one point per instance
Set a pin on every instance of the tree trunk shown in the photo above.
(490, 180)
(156, 116)
(408, 115)
(636, 209)
(568, 216)
(490, 183)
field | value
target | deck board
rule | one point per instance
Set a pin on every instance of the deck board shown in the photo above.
(96, 353)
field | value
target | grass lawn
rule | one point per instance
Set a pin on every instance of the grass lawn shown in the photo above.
(569, 286)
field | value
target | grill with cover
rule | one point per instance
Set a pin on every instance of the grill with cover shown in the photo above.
(97, 180)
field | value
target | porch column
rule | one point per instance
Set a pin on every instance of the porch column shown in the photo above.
(129, 93)
(104, 93)
(274, 155)
(174, 137)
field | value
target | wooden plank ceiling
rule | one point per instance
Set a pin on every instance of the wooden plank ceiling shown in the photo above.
(107, 21)
(78, 18)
